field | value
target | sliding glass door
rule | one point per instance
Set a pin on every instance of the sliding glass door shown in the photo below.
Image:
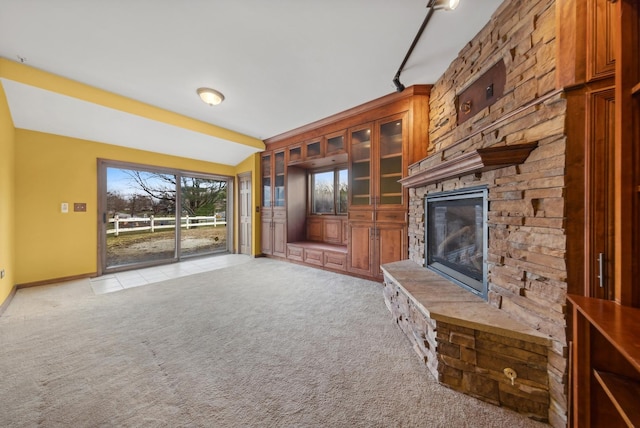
(204, 215)
(151, 216)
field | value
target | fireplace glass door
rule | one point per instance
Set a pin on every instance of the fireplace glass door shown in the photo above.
(456, 237)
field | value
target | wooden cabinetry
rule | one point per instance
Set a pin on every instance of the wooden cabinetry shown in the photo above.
(586, 67)
(376, 141)
(377, 210)
(627, 153)
(336, 143)
(605, 355)
(374, 244)
(274, 233)
(273, 217)
(606, 363)
(320, 151)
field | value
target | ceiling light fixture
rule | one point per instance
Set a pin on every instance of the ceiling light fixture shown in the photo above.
(432, 5)
(210, 96)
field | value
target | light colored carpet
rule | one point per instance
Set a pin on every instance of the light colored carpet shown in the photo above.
(262, 344)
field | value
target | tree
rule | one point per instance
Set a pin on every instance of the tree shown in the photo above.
(116, 203)
(200, 196)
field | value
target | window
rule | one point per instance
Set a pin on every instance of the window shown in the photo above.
(329, 191)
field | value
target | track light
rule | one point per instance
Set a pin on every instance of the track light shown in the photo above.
(452, 4)
(444, 4)
(432, 6)
(399, 86)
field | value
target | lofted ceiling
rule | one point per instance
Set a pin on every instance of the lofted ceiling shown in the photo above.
(280, 64)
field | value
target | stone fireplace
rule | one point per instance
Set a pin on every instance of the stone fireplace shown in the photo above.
(515, 149)
(455, 237)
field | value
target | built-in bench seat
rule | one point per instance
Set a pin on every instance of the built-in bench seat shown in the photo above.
(466, 343)
(328, 256)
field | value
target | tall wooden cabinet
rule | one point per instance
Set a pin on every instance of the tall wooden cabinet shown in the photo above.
(273, 216)
(378, 202)
(586, 69)
(376, 142)
(598, 64)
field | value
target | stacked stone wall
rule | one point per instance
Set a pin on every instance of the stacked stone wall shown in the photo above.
(527, 269)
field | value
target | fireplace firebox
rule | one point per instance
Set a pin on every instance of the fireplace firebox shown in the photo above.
(456, 237)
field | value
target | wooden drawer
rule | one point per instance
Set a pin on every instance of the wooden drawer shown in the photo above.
(336, 261)
(313, 257)
(394, 216)
(295, 252)
(279, 214)
(361, 215)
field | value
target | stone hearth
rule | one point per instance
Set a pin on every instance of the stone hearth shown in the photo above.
(467, 343)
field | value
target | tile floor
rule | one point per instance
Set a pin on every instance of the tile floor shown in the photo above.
(134, 278)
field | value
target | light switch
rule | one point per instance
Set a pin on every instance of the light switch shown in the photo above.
(64, 207)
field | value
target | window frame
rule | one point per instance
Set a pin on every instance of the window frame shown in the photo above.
(336, 190)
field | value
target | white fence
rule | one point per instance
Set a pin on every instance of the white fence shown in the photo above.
(151, 223)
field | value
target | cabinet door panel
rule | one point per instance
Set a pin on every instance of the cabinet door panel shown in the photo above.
(601, 60)
(314, 229)
(337, 261)
(360, 173)
(600, 242)
(279, 179)
(360, 254)
(336, 143)
(294, 252)
(391, 244)
(313, 257)
(266, 236)
(332, 231)
(390, 161)
(266, 180)
(279, 238)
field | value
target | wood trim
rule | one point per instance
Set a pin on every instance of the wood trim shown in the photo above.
(378, 102)
(476, 161)
(56, 280)
(570, 46)
(599, 191)
(492, 125)
(627, 156)
(600, 53)
(8, 300)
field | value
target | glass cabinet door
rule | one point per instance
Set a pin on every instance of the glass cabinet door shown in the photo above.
(335, 143)
(266, 180)
(279, 179)
(361, 167)
(390, 190)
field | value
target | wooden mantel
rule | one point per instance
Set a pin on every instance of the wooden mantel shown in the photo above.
(469, 163)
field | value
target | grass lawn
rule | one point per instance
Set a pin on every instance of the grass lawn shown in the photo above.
(145, 246)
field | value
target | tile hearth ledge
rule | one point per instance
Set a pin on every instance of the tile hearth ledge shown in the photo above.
(444, 301)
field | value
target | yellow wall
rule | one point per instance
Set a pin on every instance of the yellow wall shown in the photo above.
(39, 171)
(51, 169)
(7, 198)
